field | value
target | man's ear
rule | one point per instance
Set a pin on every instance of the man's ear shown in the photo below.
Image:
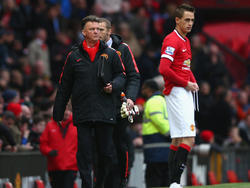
(109, 32)
(177, 20)
(83, 33)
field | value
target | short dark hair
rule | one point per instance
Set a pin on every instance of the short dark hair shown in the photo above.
(90, 18)
(151, 84)
(108, 23)
(179, 11)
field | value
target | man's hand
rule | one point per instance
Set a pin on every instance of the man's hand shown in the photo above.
(130, 104)
(108, 88)
(191, 86)
(53, 153)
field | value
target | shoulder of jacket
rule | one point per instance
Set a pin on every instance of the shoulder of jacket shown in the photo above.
(124, 44)
(74, 53)
(111, 49)
(123, 48)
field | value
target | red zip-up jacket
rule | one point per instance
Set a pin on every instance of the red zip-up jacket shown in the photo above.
(52, 139)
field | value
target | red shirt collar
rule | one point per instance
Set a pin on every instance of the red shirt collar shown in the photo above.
(91, 51)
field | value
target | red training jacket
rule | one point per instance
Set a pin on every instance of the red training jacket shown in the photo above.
(52, 139)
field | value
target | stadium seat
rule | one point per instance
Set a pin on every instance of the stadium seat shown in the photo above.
(194, 180)
(7, 185)
(39, 184)
(232, 177)
(211, 178)
(75, 185)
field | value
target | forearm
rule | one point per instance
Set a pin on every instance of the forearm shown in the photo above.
(168, 73)
(132, 86)
(161, 124)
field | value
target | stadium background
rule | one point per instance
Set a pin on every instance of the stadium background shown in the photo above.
(221, 51)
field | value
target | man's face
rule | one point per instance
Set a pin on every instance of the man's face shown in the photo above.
(185, 23)
(104, 32)
(91, 31)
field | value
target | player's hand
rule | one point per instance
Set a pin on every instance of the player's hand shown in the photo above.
(108, 88)
(130, 104)
(191, 86)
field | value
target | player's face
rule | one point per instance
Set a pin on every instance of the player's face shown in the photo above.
(104, 31)
(91, 31)
(185, 23)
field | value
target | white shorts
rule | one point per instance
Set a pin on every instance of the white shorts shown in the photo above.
(180, 107)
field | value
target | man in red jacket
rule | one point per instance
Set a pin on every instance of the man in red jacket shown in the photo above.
(59, 145)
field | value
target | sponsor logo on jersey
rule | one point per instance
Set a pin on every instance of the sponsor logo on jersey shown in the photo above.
(105, 56)
(170, 50)
(183, 50)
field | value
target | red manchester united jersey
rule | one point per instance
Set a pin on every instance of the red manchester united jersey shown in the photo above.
(177, 49)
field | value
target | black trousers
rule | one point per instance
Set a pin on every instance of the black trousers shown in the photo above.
(62, 179)
(102, 133)
(120, 171)
(157, 175)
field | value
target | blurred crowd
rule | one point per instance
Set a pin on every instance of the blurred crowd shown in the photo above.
(35, 36)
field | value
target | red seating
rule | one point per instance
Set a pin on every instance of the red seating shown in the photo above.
(194, 180)
(248, 173)
(211, 178)
(8, 185)
(39, 184)
(75, 185)
(232, 177)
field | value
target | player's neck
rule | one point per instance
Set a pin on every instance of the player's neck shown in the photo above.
(180, 32)
(91, 43)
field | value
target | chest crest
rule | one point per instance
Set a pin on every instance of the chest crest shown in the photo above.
(105, 56)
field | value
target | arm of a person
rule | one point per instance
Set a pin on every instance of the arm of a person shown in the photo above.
(132, 73)
(64, 89)
(44, 141)
(119, 75)
(192, 78)
(158, 115)
(166, 71)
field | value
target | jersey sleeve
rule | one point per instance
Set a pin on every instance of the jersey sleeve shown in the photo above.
(192, 78)
(169, 49)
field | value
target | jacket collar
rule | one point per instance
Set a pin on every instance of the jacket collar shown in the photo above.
(102, 45)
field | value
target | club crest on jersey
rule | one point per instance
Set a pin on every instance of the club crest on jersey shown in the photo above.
(105, 56)
(170, 50)
(119, 53)
(187, 63)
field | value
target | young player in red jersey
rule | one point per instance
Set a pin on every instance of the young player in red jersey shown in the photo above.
(180, 85)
